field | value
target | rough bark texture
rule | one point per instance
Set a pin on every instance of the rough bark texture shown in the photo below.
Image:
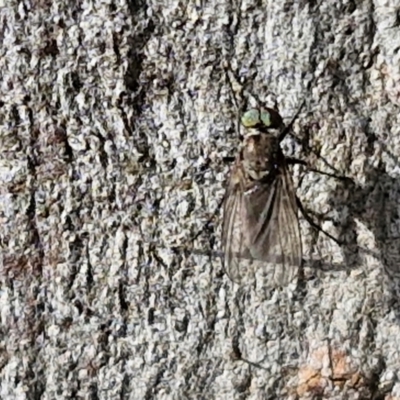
(114, 121)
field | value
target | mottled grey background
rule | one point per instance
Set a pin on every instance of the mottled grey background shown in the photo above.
(115, 117)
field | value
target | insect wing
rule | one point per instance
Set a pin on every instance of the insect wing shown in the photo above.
(233, 227)
(274, 231)
(261, 230)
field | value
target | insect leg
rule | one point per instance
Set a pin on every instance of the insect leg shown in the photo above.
(288, 128)
(314, 224)
(293, 161)
(338, 177)
(228, 159)
(214, 214)
(310, 149)
(206, 225)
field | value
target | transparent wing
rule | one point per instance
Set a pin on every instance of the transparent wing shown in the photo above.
(261, 230)
(275, 238)
(233, 227)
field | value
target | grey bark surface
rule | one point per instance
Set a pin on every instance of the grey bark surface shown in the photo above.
(115, 118)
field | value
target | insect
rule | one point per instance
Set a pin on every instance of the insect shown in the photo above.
(260, 223)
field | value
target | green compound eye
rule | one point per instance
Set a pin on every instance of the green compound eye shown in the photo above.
(266, 118)
(251, 118)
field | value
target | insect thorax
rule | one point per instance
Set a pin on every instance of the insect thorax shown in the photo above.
(261, 153)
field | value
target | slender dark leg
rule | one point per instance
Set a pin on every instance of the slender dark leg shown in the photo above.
(206, 225)
(292, 161)
(312, 223)
(214, 214)
(299, 141)
(338, 177)
(288, 128)
(228, 159)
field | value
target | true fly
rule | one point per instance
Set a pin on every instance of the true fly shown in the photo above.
(260, 229)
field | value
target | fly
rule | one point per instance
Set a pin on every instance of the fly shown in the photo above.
(260, 222)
